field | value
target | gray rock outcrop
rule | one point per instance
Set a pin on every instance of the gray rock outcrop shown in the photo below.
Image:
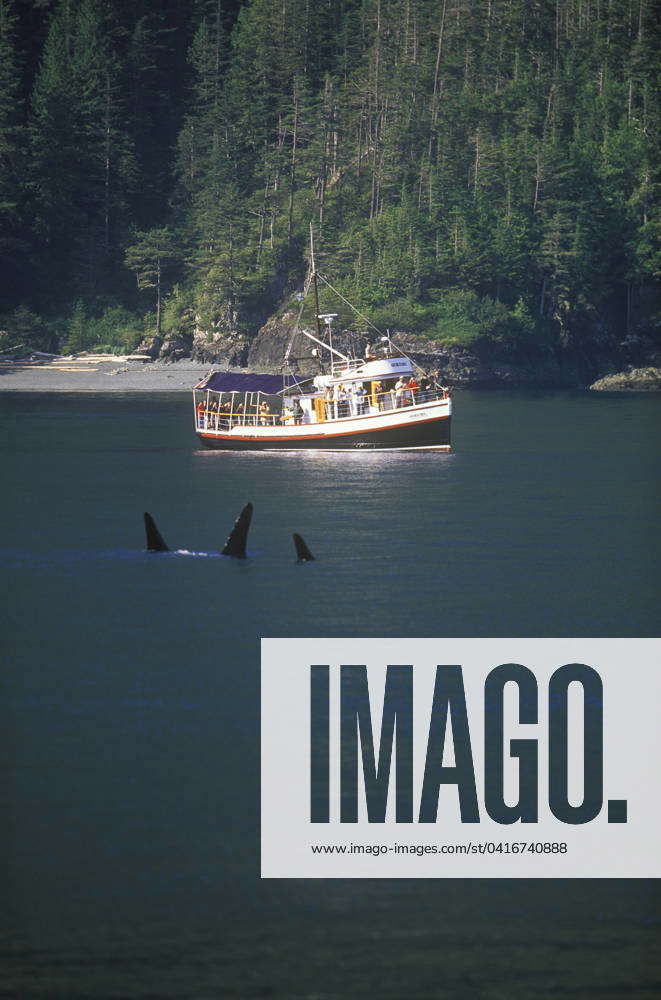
(456, 365)
(634, 380)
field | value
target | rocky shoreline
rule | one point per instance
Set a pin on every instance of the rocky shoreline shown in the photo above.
(156, 369)
(479, 365)
(90, 374)
(635, 380)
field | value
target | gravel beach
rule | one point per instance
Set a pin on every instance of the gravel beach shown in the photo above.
(92, 375)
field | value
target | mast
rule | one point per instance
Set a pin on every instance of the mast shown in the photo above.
(316, 297)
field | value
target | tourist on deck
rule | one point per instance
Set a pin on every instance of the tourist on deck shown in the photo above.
(359, 397)
(265, 414)
(336, 401)
(223, 414)
(200, 413)
(413, 387)
(328, 402)
(342, 401)
(389, 394)
(298, 411)
(400, 391)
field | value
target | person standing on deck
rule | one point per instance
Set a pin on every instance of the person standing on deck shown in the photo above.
(264, 414)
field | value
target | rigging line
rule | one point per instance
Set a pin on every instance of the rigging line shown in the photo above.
(358, 313)
(295, 385)
(351, 306)
(299, 380)
(306, 289)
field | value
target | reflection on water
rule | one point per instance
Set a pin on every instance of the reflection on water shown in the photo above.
(130, 695)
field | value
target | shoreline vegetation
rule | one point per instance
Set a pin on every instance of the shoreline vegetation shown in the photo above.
(482, 177)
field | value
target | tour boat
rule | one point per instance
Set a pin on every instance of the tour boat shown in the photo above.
(372, 402)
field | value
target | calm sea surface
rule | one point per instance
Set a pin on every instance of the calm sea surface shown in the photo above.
(130, 690)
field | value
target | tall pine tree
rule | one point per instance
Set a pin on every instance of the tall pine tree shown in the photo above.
(81, 167)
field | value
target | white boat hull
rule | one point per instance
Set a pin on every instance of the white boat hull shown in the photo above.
(426, 426)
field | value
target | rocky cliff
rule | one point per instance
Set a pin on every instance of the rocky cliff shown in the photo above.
(482, 364)
(223, 346)
(479, 365)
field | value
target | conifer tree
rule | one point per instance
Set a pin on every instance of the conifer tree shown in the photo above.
(150, 257)
(11, 152)
(81, 161)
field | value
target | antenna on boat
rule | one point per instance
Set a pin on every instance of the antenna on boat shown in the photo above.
(328, 320)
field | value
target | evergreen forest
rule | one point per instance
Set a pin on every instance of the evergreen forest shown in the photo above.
(475, 171)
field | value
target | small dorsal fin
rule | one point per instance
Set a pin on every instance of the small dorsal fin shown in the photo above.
(155, 540)
(236, 540)
(303, 553)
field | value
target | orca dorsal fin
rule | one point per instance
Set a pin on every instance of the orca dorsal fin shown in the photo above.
(155, 540)
(236, 540)
(303, 553)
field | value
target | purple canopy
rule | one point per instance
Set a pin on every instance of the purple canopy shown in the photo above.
(245, 382)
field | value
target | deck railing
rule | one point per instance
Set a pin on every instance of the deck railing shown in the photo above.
(220, 420)
(351, 405)
(334, 409)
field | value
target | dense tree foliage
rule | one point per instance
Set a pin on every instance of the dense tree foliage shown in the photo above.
(472, 168)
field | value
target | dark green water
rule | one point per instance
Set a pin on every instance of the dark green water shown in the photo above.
(130, 691)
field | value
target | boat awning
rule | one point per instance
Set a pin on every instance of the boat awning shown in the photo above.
(245, 382)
